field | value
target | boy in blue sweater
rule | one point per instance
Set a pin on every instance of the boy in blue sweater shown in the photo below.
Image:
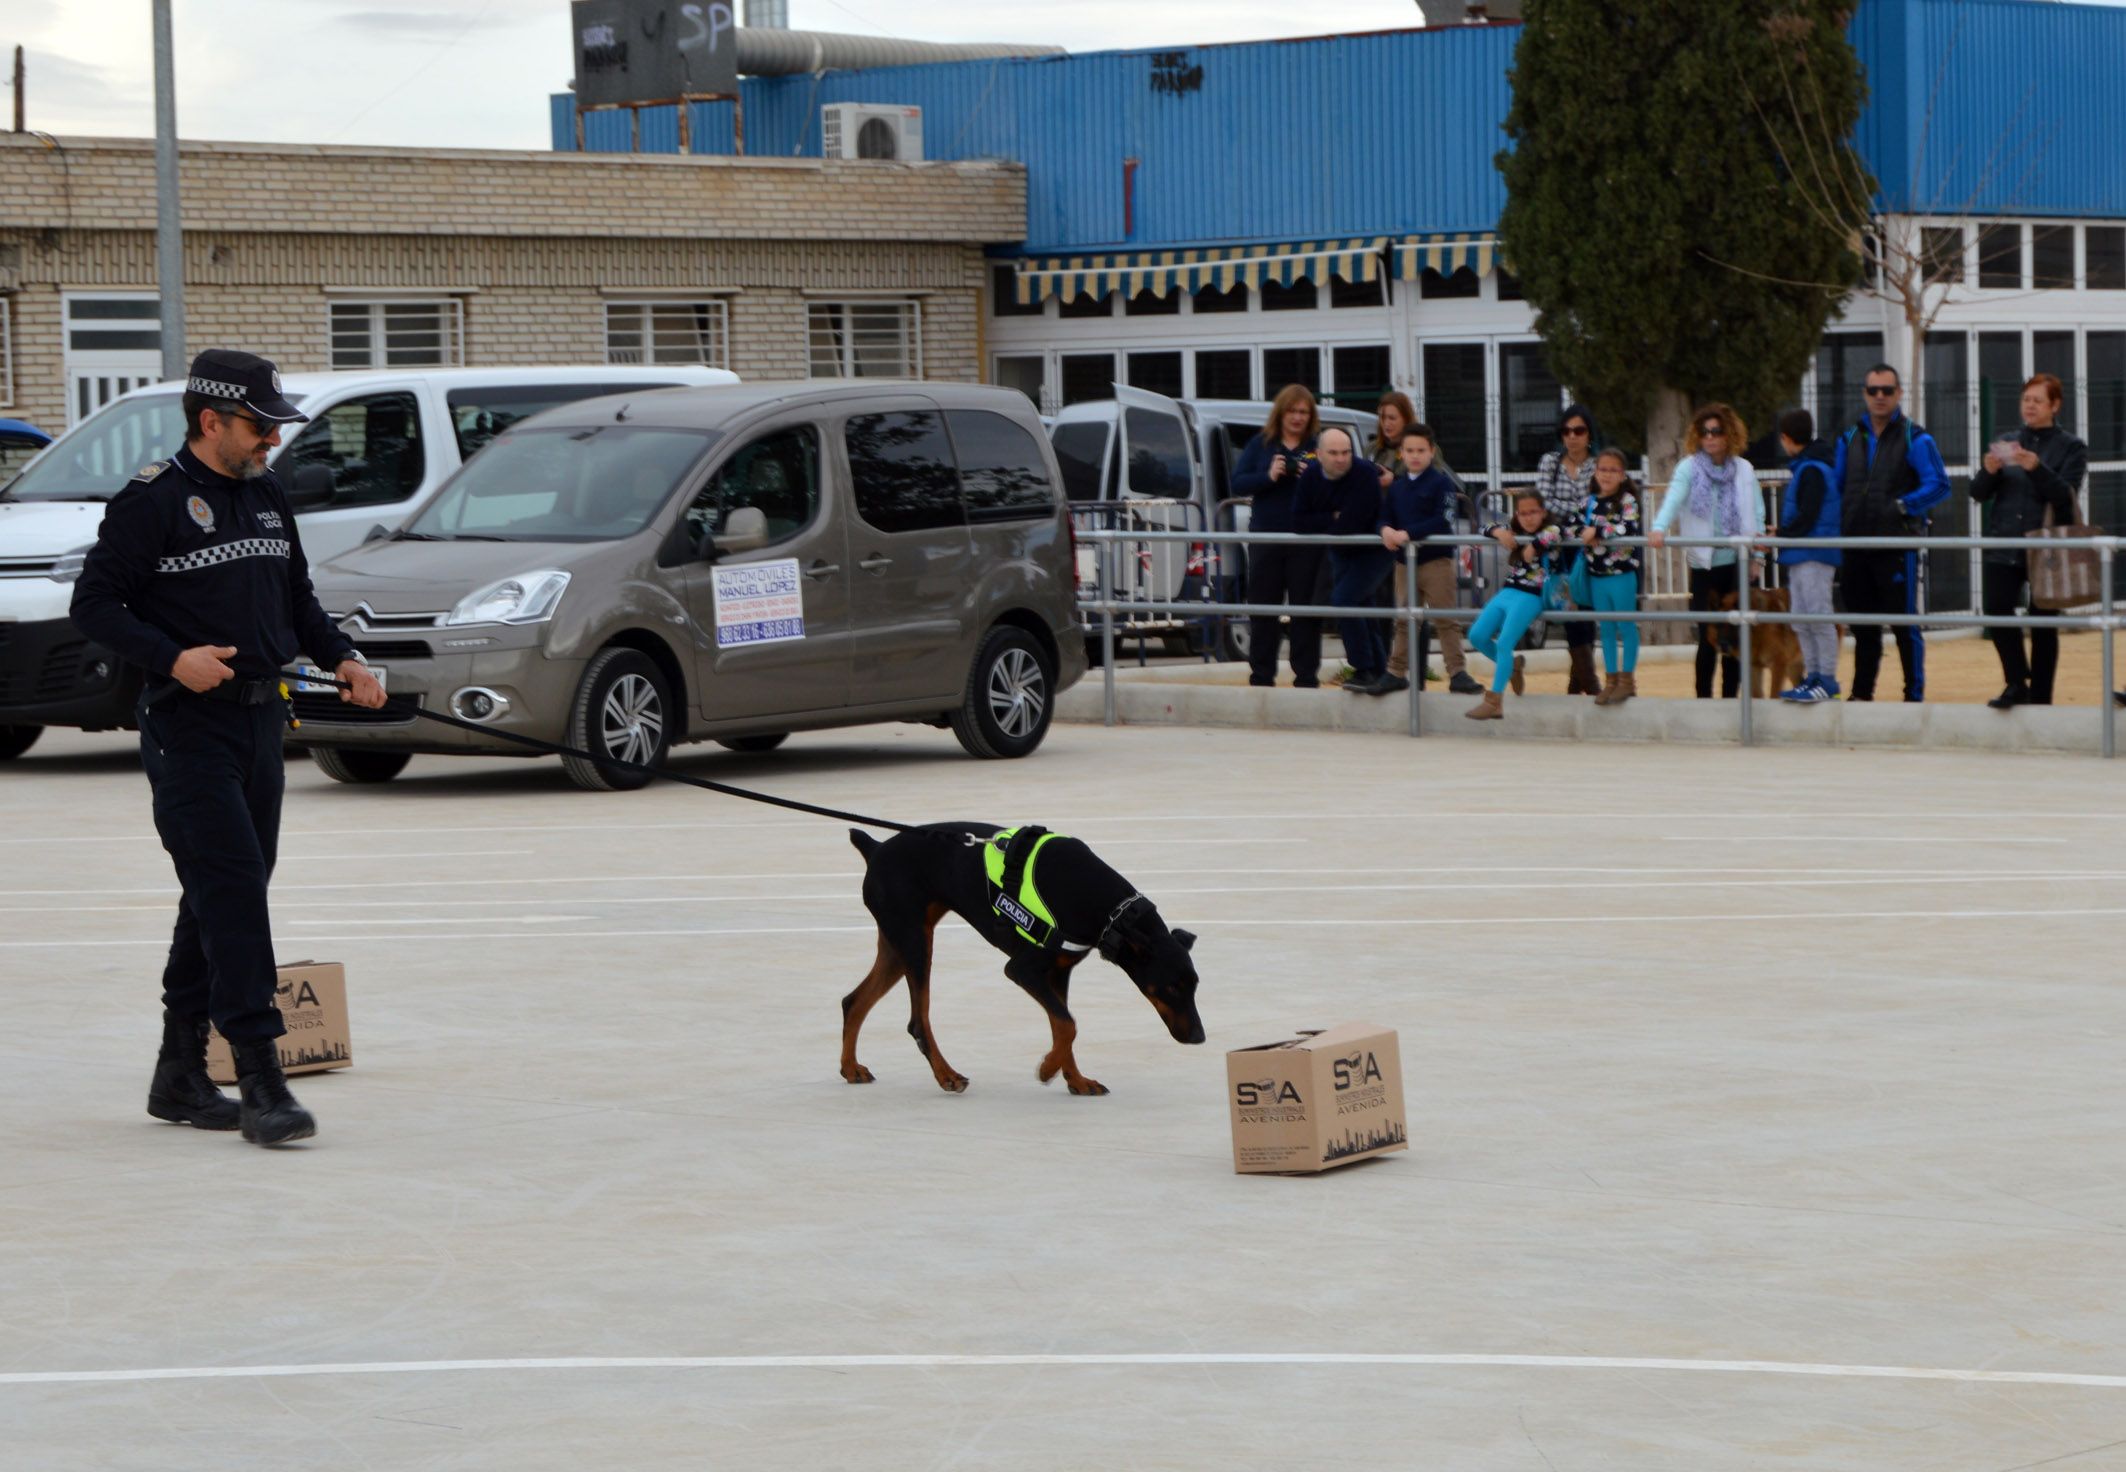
(1420, 503)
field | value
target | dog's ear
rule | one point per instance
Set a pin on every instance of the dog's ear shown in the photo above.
(1186, 939)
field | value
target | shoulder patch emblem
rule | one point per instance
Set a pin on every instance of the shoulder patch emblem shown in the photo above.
(201, 512)
(149, 472)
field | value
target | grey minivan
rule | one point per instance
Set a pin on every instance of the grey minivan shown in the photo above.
(733, 564)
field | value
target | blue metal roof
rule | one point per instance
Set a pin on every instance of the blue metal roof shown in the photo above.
(1394, 132)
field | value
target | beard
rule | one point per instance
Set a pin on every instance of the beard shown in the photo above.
(237, 465)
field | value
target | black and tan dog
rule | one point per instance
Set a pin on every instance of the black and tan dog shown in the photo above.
(913, 879)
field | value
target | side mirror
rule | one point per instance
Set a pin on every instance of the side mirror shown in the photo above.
(376, 533)
(312, 487)
(743, 530)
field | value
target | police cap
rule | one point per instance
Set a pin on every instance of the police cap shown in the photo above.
(252, 381)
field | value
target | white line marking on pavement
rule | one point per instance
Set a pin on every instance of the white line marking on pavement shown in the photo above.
(1938, 839)
(1073, 1361)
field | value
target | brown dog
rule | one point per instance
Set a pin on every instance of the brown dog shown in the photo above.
(1775, 654)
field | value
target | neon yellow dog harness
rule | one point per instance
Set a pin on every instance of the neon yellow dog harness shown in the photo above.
(1008, 861)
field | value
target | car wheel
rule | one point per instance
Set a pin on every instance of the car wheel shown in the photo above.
(1233, 640)
(359, 764)
(753, 743)
(15, 740)
(622, 713)
(1010, 696)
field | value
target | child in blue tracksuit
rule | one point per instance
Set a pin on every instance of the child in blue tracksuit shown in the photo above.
(1528, 540)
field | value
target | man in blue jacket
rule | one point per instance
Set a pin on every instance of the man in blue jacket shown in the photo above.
(1889, 474)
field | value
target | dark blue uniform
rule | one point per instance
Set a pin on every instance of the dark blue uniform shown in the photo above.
(187, 556)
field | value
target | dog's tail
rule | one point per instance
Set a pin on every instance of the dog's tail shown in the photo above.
(865, 843)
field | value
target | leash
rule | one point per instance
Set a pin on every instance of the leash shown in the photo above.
(549, 748)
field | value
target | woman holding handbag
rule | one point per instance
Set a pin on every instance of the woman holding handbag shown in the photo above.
(2033, 473)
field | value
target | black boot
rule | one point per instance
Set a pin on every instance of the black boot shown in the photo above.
(181, 1092)
(270, 1114)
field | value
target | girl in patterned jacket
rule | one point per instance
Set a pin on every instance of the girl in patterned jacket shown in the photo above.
(1613, 511)
(1528, 539)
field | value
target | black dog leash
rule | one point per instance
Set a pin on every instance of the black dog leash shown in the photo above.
(549, 748)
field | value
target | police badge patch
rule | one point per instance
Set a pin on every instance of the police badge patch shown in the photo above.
(201, 513)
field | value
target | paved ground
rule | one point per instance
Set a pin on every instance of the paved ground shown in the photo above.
(1798, 1071)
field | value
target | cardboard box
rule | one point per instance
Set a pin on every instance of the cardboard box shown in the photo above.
(312, 997)
(1318, 1100)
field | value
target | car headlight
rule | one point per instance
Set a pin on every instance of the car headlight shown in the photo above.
(529, 598)
(68, 568)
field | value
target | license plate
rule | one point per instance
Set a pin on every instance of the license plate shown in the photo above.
(312, 687)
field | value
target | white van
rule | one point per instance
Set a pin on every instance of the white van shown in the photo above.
(378, 442)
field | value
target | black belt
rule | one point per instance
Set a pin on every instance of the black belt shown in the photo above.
(228, 692)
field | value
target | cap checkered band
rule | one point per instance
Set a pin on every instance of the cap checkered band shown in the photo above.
(214, 388)
(224, 552)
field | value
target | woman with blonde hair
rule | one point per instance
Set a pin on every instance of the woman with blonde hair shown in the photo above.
(1713, 493)
(1269, 471)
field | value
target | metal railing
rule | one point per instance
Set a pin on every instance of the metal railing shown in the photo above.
(1742, 617)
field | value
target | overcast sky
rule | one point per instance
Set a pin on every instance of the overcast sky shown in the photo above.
(477, 73)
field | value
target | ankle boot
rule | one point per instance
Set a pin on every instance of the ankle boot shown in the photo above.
(1628, 686)
(1609, 691)
(270, 1114)
(181, 1092)
(1490, 708)
(1519, 680)
(1583, 681)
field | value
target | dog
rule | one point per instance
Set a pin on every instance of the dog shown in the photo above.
(915, 878)
(1775, 653)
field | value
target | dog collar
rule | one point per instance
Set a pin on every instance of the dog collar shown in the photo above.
(1107, 942)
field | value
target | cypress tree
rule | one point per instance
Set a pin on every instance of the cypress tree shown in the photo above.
(1665, 201)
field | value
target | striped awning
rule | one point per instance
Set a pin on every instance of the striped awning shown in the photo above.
(1161, 271)
(1446, 254)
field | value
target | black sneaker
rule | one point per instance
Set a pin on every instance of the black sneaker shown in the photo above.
(1464, 684)
(1387, 685)
(1360, 685)
(2011, 697)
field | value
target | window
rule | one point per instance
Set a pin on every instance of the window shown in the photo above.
(1453, 402)
(2053, 353)
(113, 324)
(106, 451)
(1947, 413)
(565, 485)
(1225, 373)
(777, 474)
(397, 334)
(1281, 366)
(7, 351)
(1160, 373)
(371, 447)
(1002, 473)
(1531, 406)
(1842, 364)
(1432, 286)
(866, 340)
(2052, 257)
(1510, 287)
(1004, 295)
(1145, 304)
(2000, 378)
(2000, 256)
(1361, 375)
(2107, 396)
(1026, 372)
(2104, 257)
(1941, 255)
(1210, 299)
(1079, 307)
(477, 415)
(1088, 376)
(1344, 293)
(1080, 447)
(1158, 455)
(1300, 296)
(668, 332)
(903, 470)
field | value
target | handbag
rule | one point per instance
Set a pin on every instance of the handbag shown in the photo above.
(2064, 577)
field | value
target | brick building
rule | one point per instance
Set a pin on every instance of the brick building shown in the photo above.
(333, 257)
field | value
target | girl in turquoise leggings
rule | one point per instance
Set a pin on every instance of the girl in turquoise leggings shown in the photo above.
(1528, 539)
(1613, 511)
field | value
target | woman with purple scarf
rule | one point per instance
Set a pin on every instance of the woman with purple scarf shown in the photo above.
(1714, 494)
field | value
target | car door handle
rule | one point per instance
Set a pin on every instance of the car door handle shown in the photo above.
(876, 562)
(823, 569)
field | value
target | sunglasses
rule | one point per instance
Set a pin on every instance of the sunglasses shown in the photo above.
(1712, 432)
(1575, 430)
(1881, 390)
(259, 426)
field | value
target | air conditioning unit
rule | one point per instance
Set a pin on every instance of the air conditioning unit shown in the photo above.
(867, 130)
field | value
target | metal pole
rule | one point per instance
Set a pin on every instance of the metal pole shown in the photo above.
(1107, 633)
(18, 89)
(1411, 624)
(1742, 638)
(169, 227)
(2105, 699)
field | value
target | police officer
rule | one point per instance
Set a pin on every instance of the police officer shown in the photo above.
(198, 577)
